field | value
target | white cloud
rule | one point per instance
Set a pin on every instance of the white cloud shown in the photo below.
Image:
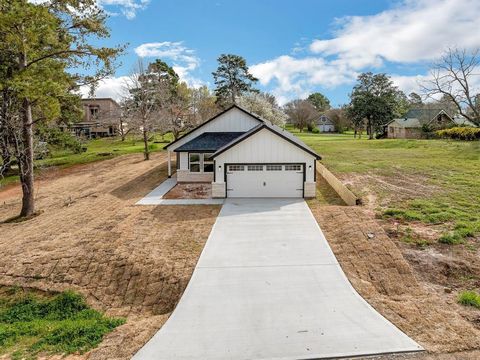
(128, 8)
(184, 59)
(112, 87)
(412, 32)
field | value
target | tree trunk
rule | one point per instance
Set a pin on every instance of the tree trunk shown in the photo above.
(370, 129)
(355, 132)
(146, 152)
(26, 161)
(122, 131)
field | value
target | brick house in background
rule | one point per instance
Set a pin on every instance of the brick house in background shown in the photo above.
(100, 119)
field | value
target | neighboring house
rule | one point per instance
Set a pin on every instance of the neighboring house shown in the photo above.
(100, 119)
(411, 126)
(324, 124)
(243, 155)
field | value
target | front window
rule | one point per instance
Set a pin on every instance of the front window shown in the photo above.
(207, 163)
(194, 162)
(201, 162)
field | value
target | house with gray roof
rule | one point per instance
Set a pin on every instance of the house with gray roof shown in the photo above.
(412, 125)
(324, 124)
(243, 155)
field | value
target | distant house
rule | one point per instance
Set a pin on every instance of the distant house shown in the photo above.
(324, 124)
(412, 125)
(100, 119)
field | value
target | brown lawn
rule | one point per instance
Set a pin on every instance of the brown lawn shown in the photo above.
(128, 260)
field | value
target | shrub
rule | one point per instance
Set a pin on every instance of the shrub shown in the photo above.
(451, 239)
(55, 137)
(469, 298)
(310, 126)
(315, 130)
(460, 133)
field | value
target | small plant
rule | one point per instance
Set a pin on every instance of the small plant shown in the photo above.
(315, 130)
(469, 298)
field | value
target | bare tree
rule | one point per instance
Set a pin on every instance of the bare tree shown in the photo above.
(453, 76)
(301, 112)
(142, 107)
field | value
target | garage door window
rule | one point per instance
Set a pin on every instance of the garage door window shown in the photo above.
(255, 168)
(194, 162)
(236, 168)
(293, 167)
(207, 163)
(274, 167)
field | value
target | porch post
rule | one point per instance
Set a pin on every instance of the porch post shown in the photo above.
(169, 164)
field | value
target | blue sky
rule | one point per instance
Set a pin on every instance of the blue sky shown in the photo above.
(293, 47)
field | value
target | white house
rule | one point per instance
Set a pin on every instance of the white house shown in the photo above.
(324, 124)
(243, 155)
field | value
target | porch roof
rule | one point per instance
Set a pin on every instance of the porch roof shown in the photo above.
(209, 142)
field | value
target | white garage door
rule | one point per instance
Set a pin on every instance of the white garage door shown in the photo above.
(262, 180)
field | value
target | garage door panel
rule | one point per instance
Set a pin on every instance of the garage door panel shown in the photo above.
(265, 180)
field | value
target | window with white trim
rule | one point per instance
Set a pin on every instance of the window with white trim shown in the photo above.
(293, 167)
(274, 167)
(255, 168)
(236, 168)
(194, 162)
(207, 163)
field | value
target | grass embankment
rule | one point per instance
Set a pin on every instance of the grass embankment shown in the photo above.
(451, 168)
(97, 149)
(35, 323)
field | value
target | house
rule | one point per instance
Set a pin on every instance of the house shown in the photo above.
(100, 119)
(324, 124)
(416, 120)
(242, 155)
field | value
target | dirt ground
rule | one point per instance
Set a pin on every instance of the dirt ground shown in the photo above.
(135, 261)
(190, 191)
(132, 261)
(378, 270)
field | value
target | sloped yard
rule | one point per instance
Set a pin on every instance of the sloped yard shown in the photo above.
(130, 261)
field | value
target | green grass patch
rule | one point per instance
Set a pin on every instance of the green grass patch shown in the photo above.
(451, 169)
(469, 298)
(97, 149)
(31, 324)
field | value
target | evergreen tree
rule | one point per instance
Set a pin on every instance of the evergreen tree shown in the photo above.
(232, 79)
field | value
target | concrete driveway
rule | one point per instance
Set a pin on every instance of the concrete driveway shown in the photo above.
(267, 286)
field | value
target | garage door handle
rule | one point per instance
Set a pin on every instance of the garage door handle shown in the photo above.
(264, 183)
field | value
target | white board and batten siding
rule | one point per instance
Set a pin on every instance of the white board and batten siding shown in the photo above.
(234, 120)
(265, 147)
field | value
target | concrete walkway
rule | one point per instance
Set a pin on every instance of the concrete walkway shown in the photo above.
(267, 286)
(155, 196)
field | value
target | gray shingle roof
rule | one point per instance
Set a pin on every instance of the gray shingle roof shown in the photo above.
(209, 141)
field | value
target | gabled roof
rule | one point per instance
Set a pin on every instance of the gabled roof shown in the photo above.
(285, 134)
(324, 120)
(209, 141)
(213, 118)
(416, 118)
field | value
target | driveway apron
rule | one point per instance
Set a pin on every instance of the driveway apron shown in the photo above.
(267, 286)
